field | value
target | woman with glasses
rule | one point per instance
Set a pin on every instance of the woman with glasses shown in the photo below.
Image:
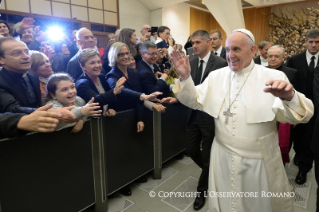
(131, 96)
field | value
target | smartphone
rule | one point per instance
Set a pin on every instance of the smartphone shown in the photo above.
(153, 30)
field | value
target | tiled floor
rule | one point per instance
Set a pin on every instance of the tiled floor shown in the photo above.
(182, 176)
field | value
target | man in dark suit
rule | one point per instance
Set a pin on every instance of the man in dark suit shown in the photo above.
(200, 126)
(20, 89)
(276, 57)
(263, 49)
(19, 124)
(315, 138)
(85, 40)
(146, 71)
(305, 64)
(216, 43)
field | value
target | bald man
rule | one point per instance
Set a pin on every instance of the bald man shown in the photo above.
(85, 40)
(246, 100)
(146, 35)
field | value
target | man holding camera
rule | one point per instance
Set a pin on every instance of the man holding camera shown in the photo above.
(146, 34)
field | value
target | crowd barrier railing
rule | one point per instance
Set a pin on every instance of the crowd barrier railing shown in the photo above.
(68, 172)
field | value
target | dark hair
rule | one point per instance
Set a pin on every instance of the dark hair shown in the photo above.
(5, 23)
(262, 44)
(53, 81)
(125, 37)
(314, 33)
(216, 31)
(161, 29)
(202, 33)
(2, 41)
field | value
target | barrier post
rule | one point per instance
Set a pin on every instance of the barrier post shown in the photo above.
(99, 165)
(157, 141)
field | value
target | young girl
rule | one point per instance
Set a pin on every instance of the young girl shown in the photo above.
(62, 93)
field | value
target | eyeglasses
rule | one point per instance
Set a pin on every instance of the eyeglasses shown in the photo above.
(147, 28)
(214, 38)
(123, 54)
(153, 54)
(18, 53)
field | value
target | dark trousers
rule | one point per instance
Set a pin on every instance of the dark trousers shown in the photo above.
(316, 157)
(302, 137)
(199, 133)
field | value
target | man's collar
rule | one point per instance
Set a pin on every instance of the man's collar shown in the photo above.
(309, 55)
(14, 74)
(278, 68)
(148, 64)
(219, 50)
(245, 70)
(264, 60)
(206, 58)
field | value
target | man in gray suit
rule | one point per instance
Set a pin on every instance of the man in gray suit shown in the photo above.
(200, 127)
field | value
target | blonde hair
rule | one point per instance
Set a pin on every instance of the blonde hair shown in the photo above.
(111, 35)
(114, 51)
(37, 59)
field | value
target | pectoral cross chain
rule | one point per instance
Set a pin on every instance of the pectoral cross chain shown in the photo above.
(227, 114)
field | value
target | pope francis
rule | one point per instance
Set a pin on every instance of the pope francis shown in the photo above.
(246, 100)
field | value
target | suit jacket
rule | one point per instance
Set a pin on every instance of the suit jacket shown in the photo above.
(8, 125)
(315, 137)
(223, 53)
(162, 44)
(86, 90)
(214, 62)
(130, 95)
(105, 59)
(60, 62)
(299, 62)
(290, 73)
(73, 68)
(14, 95)
(257, 60)
(148, 80)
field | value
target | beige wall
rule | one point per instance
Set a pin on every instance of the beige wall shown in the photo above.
(133, 14)
(177, 18)
(93, 11)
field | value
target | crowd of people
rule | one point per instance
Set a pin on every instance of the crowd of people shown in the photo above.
(240, 94)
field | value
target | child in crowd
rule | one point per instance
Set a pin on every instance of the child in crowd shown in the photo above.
(61, 92)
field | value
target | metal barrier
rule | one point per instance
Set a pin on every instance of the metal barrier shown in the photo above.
(69, 172)
(47, 172)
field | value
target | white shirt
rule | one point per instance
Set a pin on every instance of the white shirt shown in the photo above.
(204, 63)
(219, 51)
(264, 62)
(309, 56)
(158, 40)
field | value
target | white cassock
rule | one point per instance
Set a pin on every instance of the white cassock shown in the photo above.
(245, 155)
